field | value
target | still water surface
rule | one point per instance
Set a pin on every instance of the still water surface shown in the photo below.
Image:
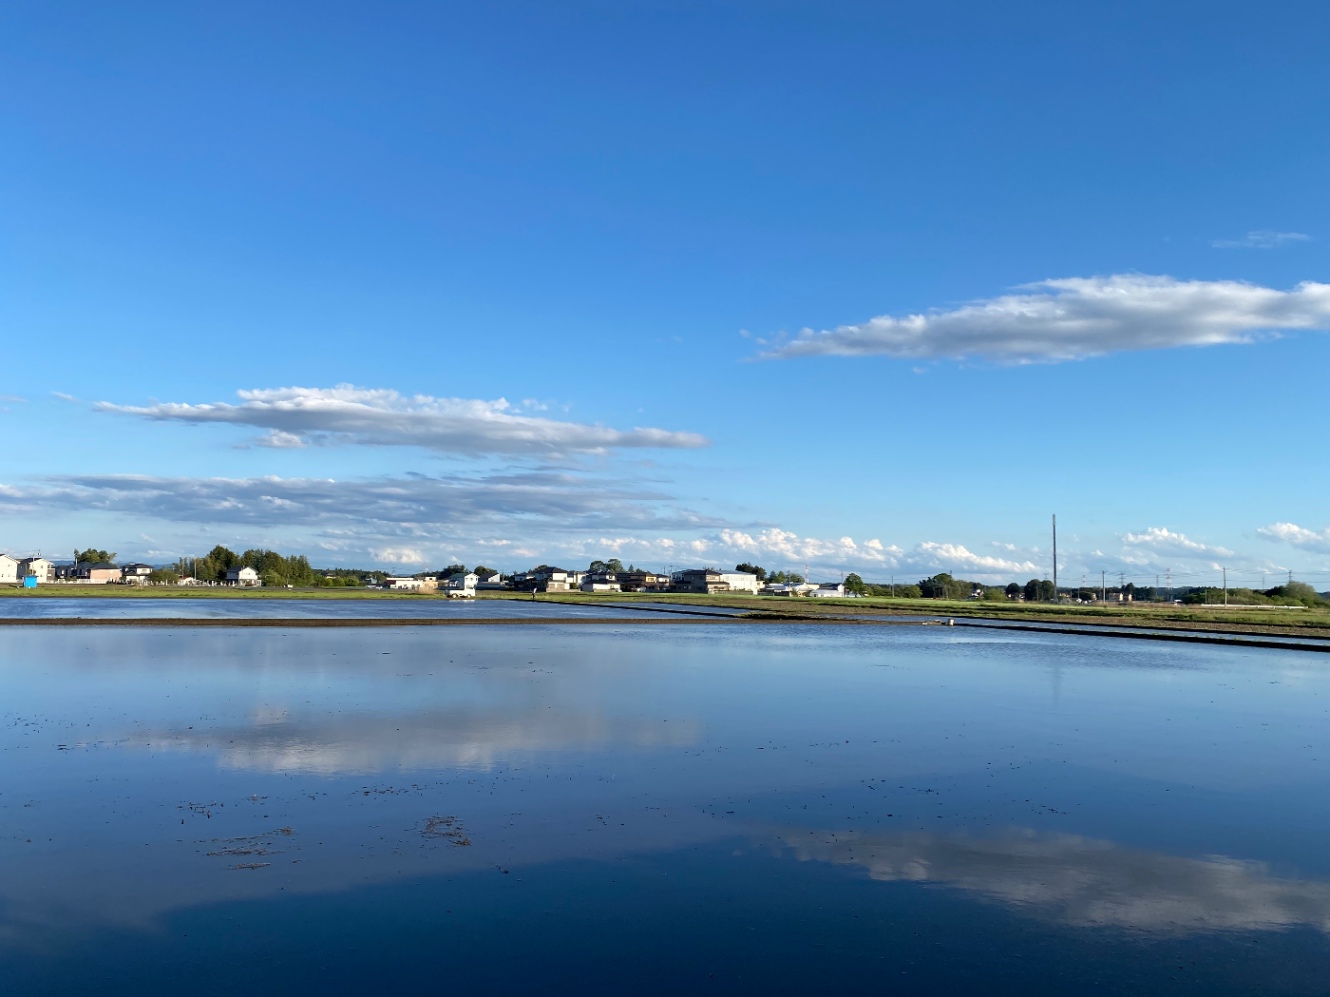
(205, 607)
(603, 810)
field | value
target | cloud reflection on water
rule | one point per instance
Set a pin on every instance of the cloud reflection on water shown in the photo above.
(1082, 882)
(466, 737)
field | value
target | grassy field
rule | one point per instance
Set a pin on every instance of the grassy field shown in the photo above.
(1254, 619)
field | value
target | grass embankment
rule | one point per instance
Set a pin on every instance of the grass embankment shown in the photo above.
(1224, 619)
(1220, 619)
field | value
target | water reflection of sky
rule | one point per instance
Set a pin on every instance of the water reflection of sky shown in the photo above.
(1162, 790)
(235, 607)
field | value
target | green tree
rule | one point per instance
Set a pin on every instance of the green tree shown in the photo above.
(1039, 590)
(752, 569)
(943, 586)
(1012, 590)
(855, 584)
(93, 555)
(1295, 594)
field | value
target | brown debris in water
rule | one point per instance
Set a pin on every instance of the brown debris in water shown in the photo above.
(446, 828)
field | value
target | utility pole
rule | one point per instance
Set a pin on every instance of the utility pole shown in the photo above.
(1226, 586)
(1055, 557)
(1290, 576)
(1168, 580)
(1103, 586)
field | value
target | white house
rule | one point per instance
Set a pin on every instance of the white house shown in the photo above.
(741, 581)
(460, 585)
(135, 574)
(404, 584)
(543, 579)
(828, 590)
(37, 567)
(491, 580)
(788, 588)
(600, 581)
(243, 577)
(8, 569)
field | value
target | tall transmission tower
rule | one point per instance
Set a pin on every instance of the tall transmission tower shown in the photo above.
(1055, 557)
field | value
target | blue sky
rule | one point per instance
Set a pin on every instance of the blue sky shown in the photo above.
(617, 218)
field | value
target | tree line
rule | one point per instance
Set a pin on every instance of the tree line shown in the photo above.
(945, 586)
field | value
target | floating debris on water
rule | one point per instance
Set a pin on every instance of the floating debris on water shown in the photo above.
(237, 852)
(447, 828)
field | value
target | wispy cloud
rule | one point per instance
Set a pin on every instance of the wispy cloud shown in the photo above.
(533, 502)
(1261, 239)
(345, 414)
(1075, 318)
(528, 515)
(1297, 536)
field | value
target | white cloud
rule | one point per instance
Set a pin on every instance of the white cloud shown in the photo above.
(1162, 540)
(381, 417)
(1297, 536)
(956, 558)
(1078, 317)
(1261, 239)
(925, 558)
(398, 555)
(280, 440)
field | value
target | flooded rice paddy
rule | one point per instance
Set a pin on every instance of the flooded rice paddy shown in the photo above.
(646, 809)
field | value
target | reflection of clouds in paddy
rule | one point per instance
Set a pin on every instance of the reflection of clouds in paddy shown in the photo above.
(453, 737)
(1084, 882)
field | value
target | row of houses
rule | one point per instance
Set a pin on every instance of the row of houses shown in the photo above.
(553, 579)
(457, 585)
(701, 581)
(16, 570)
(33, 571)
